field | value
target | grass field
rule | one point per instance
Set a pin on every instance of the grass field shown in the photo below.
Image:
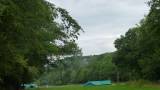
(112, 87)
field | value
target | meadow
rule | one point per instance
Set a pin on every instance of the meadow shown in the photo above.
(111, 87)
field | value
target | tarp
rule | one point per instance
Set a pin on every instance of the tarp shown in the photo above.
(26, 86)
(96, 83)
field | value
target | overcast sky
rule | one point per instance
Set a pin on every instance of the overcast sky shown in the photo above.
(103, 21)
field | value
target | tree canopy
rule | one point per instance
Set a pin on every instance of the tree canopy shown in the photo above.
(31, 31)
(138, 51)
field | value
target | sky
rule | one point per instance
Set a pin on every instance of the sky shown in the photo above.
(103, 21)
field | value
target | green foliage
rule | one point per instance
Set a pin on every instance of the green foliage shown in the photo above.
(29, 34)
(80, 70)
(138, 51)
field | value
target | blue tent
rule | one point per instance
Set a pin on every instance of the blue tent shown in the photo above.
(97, 83)
(26, 86)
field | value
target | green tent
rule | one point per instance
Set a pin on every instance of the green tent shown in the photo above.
(97, 83)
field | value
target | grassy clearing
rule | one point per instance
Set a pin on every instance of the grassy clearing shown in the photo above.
(112, 87)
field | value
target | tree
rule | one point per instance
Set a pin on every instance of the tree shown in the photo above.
(138, 51)
(29, 35)
(127, 53)
(150, 43)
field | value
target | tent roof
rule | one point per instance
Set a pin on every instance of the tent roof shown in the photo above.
(103, 82)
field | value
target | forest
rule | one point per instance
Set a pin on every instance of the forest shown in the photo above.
(136, 58)
(79, 69)
(38, 44)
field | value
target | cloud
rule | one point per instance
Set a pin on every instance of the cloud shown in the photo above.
(103, 20)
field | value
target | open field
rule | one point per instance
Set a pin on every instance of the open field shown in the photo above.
(112, 87)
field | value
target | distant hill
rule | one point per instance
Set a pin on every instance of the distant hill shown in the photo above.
(80, 69)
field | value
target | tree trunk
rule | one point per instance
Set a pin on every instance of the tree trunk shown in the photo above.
(118, 77)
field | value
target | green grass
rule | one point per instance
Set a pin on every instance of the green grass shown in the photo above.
(112, 87)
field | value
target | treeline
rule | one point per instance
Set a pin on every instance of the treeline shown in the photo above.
(138, 51)
(29, 35)
(137, 57)
(78, 70)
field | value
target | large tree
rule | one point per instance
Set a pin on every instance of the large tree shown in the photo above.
(31, 31)
(139, 50)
